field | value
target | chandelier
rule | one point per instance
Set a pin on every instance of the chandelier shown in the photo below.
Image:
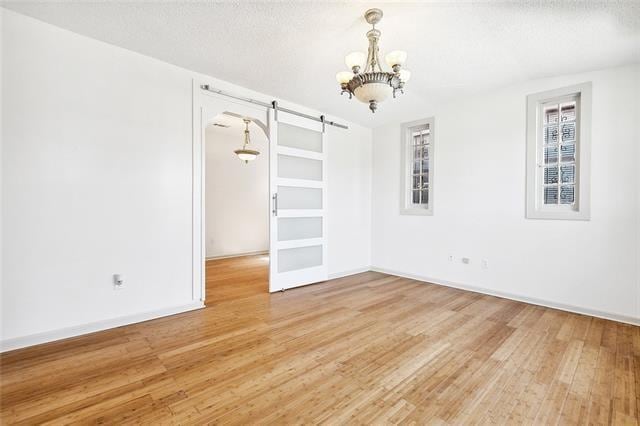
(246, 154)
(366, 80)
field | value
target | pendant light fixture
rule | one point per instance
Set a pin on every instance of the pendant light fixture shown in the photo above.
(246, 154)
(367, 80)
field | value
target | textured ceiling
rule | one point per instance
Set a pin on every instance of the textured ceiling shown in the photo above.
(292, 50)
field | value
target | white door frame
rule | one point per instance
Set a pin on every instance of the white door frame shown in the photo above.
(207, 105)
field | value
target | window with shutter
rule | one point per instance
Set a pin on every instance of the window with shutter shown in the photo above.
(558, 153)
(417, 168)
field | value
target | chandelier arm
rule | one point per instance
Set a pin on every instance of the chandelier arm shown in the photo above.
(367, 67)
(373, 61)
(376, 50)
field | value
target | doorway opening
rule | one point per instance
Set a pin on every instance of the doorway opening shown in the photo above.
(236, 209)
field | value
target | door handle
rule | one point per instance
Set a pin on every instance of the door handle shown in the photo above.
(275, 204)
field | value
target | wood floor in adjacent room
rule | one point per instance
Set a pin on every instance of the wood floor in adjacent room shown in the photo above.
(236, 278)
(369, 348)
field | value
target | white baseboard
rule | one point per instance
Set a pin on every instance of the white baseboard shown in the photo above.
(50, 336)
(64, 333)
(534, 301)
(341, 274)
(229, 256)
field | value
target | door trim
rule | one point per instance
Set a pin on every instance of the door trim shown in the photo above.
(207, 105)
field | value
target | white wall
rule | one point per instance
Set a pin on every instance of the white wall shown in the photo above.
(97, 180)
(479, 197)
(1, 138)
(236, 193)
(349, 193)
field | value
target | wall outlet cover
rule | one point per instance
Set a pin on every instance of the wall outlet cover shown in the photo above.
(118, 281)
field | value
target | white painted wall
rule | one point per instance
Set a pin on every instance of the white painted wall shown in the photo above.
(349, 193)
(479, 196)
(1, 139)
(236, 193)
(97, 180)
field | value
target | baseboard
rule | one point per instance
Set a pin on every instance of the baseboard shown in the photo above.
(512, 296)
(65, 333)
(50, 336)
(341, 274)
(230, 256)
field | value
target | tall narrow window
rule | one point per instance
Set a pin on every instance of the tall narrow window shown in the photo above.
(417, 167)
(558, 130)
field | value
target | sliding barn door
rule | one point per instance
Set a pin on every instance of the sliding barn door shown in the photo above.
(298, 182)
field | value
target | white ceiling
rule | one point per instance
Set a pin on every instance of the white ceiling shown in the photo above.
(292, 50)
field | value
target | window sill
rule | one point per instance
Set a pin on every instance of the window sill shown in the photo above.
(558, 215)
(416, 211)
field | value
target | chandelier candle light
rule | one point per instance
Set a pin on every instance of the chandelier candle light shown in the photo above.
(371, 84)
(246, 154)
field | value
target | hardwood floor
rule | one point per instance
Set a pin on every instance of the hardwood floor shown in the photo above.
(236, 278)
(369, 348)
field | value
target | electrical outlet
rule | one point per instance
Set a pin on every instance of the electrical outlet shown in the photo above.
(485, 264)
(118, 281)
(450, 258)
(465, 260)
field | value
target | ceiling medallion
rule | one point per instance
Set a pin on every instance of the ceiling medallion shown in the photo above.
(373, 85)
(246, 154)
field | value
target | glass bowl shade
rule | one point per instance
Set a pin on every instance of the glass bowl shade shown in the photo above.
(355, 59)
(246, 155)
(344, 76)
(373, 92)
(397, 57)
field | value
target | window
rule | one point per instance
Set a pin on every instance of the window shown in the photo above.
(417, 167)
(558, 153)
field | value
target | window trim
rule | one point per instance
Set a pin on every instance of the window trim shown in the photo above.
(406, 205)
(534, 207)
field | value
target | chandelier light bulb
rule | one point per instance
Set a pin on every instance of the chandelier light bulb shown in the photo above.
(355, 59)
(405, 75)
(397, 57)
(344, 77)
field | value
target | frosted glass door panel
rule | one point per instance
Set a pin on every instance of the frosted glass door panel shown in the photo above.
(299, 258)
(298, 189)
(293, 197)
(299, 138)
(299, 228)
(299, 168)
